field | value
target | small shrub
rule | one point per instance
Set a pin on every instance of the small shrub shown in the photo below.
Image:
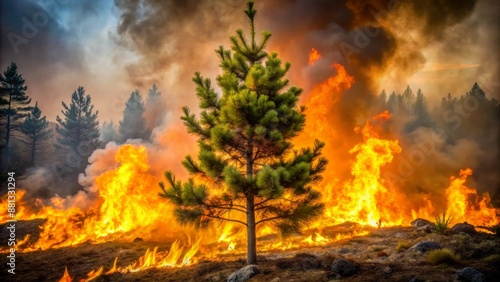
(442, 256)
(442, 223)
(403, 245)
(492, 259)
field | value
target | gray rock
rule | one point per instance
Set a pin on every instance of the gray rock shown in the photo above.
(463, 228)
(400, 235)
(425, 246)
(344, 251)
(343, 268)
(419, 222)
(469, 274)
(243, 274)
(425, 228)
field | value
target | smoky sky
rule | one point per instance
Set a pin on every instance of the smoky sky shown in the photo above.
(53, 43)
(32, 37)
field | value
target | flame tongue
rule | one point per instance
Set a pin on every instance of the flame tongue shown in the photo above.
(66, 277)
(464, 204)
(366, 199)
(314, 56)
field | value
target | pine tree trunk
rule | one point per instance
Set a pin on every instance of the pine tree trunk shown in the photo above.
(6, 159)
(251, 235)
(33, 151)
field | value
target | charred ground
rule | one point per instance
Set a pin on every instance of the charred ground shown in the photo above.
(381, 255)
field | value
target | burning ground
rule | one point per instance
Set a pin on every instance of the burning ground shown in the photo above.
(380, 255)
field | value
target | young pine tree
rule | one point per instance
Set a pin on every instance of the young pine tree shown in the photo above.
(79, 130)
(246, 165)
(13, 105)
(36, 128)
(133, 124)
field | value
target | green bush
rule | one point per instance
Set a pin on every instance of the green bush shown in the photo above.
(441, 256)
(442, 223)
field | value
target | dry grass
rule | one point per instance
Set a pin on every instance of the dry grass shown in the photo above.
(442, 256)
(403, 245)
(493, 260)
(477, 251)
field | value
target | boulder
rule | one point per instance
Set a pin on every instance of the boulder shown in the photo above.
(463, 228)
(425, 228)
(469, 274)
(419, 222)
(243, 274)
(400, 235)
(343, 268)
(425, 246)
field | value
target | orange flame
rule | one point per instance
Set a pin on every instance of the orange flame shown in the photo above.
(464, 204)
(66, 277)
(314, 56)
(385, 115)
(366, 199)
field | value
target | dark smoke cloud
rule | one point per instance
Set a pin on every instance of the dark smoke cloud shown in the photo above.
(33, 38)
(173, 39)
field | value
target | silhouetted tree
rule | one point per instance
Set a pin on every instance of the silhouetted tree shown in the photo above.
(408, 98)
(79, 130)
(421, 112)
(133, 124)
(382, 101)
(392, 103)
(245, 149)
(109, 133)
(153, 94)
(155, 109)
(36, 128)
(13, 105)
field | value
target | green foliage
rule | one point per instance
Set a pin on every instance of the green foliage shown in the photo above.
(442, 223)
(13, 105)
(245, 151)
(133, 124)
(79, 130)
(35, 127)
(441, 256)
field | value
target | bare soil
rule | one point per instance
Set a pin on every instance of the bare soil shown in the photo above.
(382, 255)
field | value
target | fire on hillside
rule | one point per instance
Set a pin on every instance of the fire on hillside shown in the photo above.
(127, 205)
